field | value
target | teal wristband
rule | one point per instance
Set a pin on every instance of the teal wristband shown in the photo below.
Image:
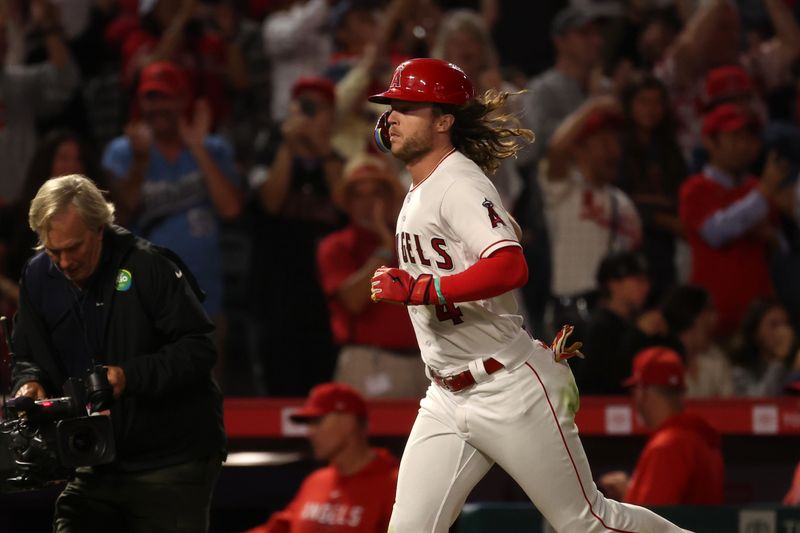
(438, 286)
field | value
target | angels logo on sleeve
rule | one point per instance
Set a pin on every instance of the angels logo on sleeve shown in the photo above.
(494, 218)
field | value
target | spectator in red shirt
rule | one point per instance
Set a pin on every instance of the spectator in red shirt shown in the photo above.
(379, 354)
(681, 464)
(355, 493)
(727, 214)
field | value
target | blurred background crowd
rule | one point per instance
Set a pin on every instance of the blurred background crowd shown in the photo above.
(660, 204)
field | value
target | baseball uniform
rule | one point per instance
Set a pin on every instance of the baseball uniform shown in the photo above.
(500, 395)
(522, 416)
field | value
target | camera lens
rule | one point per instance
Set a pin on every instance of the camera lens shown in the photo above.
(85, 442)
(82, 442)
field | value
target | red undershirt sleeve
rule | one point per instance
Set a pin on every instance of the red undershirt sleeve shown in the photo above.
(505, 269)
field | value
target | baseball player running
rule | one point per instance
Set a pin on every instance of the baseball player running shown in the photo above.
(499, 396)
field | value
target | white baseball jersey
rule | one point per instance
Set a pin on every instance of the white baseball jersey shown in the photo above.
(448, 222)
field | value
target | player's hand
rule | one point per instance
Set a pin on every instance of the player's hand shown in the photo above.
(32, 389)
(559, 345)
(116, 378)
(397, 286)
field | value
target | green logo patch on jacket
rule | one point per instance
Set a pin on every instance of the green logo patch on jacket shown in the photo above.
(124, 280)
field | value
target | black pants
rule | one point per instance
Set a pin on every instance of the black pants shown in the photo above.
(174, 498)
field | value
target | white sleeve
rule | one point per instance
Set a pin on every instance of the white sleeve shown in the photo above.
(474, 213)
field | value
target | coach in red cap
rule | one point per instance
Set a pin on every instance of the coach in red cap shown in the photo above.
(330, 398)
(355, 492)
(681, 464)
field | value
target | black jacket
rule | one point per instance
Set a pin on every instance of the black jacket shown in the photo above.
(152, 325)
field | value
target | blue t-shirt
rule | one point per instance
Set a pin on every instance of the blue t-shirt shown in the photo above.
(176, 209)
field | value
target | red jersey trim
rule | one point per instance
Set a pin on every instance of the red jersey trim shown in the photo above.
(512, 241)
(566, 447)
(445, 156)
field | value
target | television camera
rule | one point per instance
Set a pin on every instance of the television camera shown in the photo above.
(43, 441)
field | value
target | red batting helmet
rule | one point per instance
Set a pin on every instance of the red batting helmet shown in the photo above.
(427, 80)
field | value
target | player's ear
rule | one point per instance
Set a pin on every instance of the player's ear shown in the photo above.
(444, 122)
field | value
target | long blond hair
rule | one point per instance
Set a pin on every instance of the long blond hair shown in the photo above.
(485, 133)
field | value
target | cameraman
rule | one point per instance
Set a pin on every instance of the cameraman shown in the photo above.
(96, 294)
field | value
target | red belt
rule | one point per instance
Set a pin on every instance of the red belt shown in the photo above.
(464, 379)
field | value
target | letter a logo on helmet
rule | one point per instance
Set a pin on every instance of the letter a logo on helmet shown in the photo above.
(427, 80)
(396, 77)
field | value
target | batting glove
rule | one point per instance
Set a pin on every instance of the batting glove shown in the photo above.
(560, 348)
(399, 287)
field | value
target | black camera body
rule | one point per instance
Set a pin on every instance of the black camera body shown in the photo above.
(43, 441)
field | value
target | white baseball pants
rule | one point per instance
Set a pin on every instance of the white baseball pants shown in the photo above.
(522, 419)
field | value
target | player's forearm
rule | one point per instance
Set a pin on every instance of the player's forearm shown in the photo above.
(492, 276)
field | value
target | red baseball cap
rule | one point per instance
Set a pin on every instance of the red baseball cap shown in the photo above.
(660, 366)
(163, 77)
(727, 118)
(331, 398)
(599, 120)
(315, 83)
(723, 83)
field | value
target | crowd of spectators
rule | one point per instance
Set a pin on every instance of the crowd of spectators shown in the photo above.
(659, 205)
